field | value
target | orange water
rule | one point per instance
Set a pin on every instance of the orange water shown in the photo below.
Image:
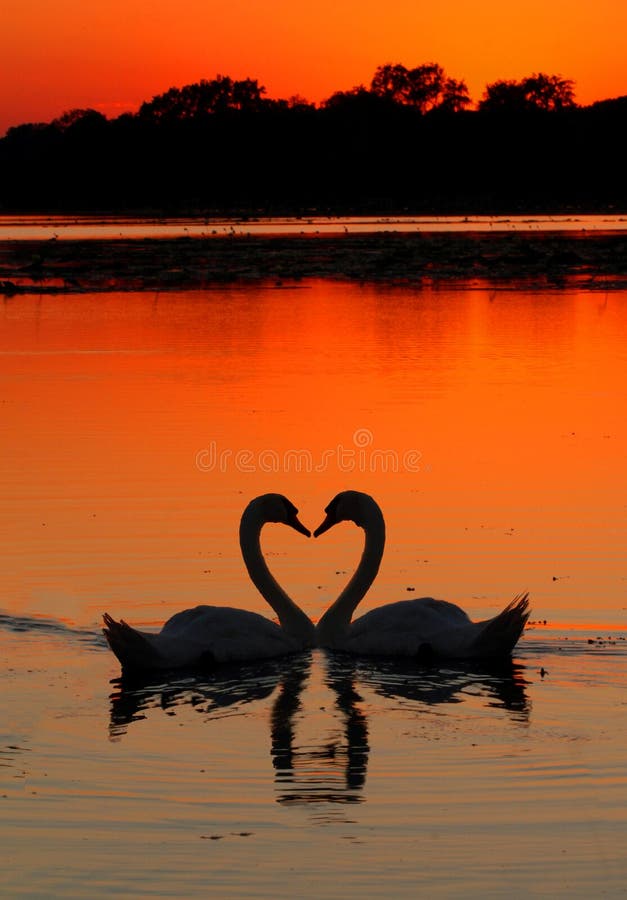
(490, 427)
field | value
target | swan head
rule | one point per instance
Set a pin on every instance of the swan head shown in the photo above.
(277, 508)
(349, 506)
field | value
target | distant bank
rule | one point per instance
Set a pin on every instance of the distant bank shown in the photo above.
(594, 259)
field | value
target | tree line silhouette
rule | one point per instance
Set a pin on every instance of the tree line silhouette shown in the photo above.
(409, 142)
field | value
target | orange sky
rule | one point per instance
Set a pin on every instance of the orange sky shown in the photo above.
(113, 54)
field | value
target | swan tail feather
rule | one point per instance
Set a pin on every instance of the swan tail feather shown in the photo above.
(132, 648)
(500, 635)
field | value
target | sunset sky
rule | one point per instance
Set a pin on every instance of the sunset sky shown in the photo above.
(113, 54)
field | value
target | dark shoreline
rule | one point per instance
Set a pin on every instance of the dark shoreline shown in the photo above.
(592, 259)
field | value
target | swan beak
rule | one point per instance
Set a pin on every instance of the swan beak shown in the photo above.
(297, 525)
(329, 522)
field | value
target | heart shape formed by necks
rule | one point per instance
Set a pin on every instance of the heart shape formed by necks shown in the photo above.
(211, 634)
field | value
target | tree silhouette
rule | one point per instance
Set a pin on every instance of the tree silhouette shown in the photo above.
(550, 92)
(424, 88)
(357, 101)
(536, 92)
(79, 117)
(454, 96)
(392, 82)
(203, 98)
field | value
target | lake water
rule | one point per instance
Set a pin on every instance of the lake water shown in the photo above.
(489, 425)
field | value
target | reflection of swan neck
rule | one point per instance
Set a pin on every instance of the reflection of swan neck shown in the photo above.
(293, 620)
(335, 622)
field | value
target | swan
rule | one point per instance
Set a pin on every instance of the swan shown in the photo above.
(216, 634)
(417, 628)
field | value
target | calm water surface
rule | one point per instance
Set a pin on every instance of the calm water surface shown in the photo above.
(490, 427)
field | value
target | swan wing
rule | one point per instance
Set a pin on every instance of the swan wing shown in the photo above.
(135, 649)
(499, 636)
(405, 628)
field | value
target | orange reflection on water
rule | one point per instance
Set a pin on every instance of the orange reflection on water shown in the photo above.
(487, 423)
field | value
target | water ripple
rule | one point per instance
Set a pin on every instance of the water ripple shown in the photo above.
(41, 625)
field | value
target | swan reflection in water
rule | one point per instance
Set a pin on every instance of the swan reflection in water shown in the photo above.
(332, 767)
(207, 693)
(500, 682)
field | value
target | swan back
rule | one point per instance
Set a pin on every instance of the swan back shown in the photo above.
(435, 628)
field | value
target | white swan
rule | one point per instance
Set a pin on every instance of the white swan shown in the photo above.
(420, 627)
(216, 634)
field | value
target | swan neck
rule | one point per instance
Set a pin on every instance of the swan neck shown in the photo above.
(335, 623)
(293, 620)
